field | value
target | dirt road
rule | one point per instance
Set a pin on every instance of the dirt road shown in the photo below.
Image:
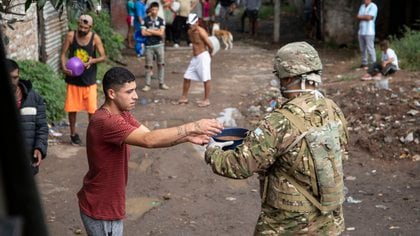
(171, 191)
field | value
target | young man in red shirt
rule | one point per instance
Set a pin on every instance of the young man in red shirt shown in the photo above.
(110, 132)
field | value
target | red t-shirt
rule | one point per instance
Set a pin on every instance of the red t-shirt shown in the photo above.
(102, 195)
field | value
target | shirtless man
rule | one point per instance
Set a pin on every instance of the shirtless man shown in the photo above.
(199, 68)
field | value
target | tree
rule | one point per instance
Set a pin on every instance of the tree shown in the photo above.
(7, 6)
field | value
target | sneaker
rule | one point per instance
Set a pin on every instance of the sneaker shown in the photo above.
(146, 88)
(176, 45)
(164, 86)
(75, 140)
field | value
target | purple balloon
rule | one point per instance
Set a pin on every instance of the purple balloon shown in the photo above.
(76, 66)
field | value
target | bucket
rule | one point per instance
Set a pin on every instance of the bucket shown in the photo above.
(216, 44)
(382, 84)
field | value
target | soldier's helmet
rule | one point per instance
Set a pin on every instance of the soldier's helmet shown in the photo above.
(298, 58)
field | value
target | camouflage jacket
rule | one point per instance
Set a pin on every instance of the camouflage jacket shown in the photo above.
(265, 151)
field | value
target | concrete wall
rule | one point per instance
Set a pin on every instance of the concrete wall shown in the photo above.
(23, 40)
(118, 11)
(340, 24)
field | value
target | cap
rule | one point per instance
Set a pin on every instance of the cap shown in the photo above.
(192, 18)
(86, 19)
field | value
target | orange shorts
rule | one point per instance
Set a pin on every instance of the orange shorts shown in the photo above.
(81, 98)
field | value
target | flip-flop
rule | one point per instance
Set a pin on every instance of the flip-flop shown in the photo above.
(180, 102)
(202, 104)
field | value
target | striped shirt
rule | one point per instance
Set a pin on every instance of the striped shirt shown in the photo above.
(367, 27)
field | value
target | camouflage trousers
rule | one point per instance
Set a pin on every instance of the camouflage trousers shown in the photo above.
(274, 221)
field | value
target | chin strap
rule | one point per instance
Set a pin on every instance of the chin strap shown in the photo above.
(302, 89)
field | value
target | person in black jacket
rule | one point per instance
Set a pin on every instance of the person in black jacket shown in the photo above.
(33, 116)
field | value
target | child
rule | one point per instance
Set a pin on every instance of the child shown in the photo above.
(388, 65)
(154, 30)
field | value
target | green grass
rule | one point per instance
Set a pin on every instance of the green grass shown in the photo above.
(407, 49)
(266, 12)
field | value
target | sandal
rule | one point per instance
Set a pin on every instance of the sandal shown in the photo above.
(203, 104)
(180, 102)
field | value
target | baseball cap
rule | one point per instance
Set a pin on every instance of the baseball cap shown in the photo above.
(86, 19)
(192, 18)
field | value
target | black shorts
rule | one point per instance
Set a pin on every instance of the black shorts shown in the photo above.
(252, 14)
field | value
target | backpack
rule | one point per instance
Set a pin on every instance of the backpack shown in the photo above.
(326, 171)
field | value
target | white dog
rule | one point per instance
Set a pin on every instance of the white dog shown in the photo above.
(224, 35)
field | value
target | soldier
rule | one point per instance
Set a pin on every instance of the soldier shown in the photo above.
(297, 150)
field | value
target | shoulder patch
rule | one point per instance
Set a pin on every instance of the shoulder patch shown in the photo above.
(258, 132)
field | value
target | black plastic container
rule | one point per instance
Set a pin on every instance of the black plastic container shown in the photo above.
(237, 132)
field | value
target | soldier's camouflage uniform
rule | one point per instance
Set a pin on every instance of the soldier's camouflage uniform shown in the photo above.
(284, 210)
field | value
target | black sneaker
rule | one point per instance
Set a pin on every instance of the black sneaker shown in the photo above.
(75, 140)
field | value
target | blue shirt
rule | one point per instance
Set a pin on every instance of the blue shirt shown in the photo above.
(131, 8)
(367, 27)
(140, 11)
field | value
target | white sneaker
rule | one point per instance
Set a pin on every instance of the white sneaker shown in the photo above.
(163, 86)
(146, 88)
(176, 45)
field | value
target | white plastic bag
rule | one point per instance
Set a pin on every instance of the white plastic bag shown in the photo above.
(217, 10)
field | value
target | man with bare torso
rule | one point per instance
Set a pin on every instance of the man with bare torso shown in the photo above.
(199, 68)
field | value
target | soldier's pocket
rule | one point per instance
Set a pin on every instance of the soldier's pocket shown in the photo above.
(283, 195)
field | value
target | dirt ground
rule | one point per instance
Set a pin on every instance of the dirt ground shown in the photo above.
(171, 191)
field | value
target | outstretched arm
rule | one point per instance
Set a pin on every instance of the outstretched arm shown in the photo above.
(197, 132)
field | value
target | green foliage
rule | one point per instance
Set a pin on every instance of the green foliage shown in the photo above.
(288, 9)
(407, 49)
(48, 84)
(102, 69)
(266, 12)
(113, 41)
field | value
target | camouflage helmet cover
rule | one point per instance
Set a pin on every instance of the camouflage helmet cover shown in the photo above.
(296, 59)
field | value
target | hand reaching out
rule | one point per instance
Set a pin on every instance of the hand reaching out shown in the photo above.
(209, 127)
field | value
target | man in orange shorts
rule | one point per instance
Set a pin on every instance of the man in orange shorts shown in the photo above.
(81, 90)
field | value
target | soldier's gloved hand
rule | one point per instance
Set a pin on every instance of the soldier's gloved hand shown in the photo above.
(214, 144)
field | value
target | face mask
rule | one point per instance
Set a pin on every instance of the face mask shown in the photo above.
(82, 33)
